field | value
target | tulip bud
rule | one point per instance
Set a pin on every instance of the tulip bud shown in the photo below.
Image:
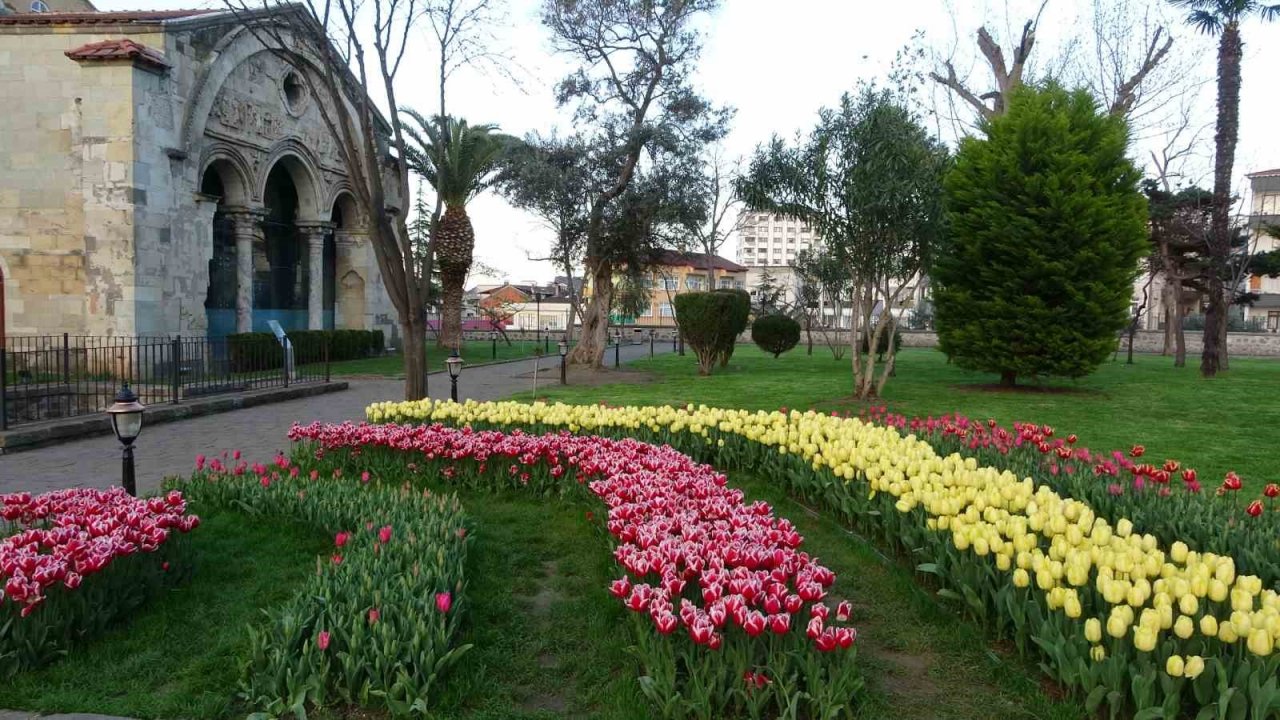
(1174, 666)
(1098, 653)
(1093, 630)
(1183, 627)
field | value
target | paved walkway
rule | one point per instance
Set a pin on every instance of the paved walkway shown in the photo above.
(170, 448)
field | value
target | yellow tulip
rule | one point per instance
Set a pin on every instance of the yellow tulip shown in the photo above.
(1193, 667)
(1209, 626)
(1260, 642)
(1184, 627)
(1093, 630)
(1144, 639)
(1174, 666)
(1098, 653)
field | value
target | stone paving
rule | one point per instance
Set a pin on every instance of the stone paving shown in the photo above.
(170, 448)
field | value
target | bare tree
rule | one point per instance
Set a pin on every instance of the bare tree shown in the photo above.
(1120, 78)
(720, 216)
(352, 51)
(634, 62)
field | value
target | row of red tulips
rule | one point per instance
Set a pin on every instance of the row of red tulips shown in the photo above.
(1166, 498)
(729, 601)
(72, 560)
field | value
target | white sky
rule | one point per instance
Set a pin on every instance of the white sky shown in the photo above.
(777, 63)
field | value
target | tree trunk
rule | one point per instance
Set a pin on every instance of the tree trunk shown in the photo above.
(1224, 363)
(595, 323)
(1179, 333)
(1214, 318)
(1008, 378)
(1225, 137)
(808, 333)
(451, 288)
(1170, 313)
(415, 358)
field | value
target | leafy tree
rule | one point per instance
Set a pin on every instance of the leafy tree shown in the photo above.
(775, 334)
(869, 180)
(1047, 229)
(459, 165)
(551, 178)
(1223, 18)
(632, 88)
(630, 295)
(769, 294)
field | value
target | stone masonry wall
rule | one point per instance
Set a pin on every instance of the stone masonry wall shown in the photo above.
(1150, 341)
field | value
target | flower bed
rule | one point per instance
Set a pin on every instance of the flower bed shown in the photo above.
(73, 561)
(1164, 498)
(730, 612)
(1117, 617)
(377, 624)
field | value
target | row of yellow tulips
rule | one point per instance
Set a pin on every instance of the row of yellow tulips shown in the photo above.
(1176, 607)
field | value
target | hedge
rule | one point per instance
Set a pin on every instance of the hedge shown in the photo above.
(261, 351)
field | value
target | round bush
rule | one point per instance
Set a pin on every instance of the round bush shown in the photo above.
(775, 334)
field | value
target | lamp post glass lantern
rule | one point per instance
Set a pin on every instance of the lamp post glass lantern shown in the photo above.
(454, 363)
(126, 421)
(564, 353)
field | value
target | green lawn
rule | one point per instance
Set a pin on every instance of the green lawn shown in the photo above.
(1215, 425)
(180, 655)
(473, 352)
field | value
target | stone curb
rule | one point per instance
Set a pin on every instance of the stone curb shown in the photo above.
(57, 431)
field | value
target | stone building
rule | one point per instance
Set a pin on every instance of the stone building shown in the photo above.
(164, 173)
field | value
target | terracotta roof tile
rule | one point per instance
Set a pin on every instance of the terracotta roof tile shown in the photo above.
(698, 261)
(119, 49)
(124, 17)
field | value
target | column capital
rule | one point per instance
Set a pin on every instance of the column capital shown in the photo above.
(245, 212)
(314, 227)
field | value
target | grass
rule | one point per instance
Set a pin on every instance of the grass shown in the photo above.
(549, 640)
(1214, 425)
(920, 659)
(180, 656)
(473, 352)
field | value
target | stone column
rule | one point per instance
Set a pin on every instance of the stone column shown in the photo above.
(314, 235)
(248, 230)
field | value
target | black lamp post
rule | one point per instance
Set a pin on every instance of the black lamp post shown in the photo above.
(126, 421)
(564, 354)
(617, 349)
(454, 363)
(494, 337)
(537, 321)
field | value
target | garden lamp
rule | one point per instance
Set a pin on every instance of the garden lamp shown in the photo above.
(126, 420)
(454, 363)
(564, 353)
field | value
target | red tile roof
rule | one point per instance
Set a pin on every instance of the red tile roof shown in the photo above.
(124, 17)
(119, 49)
(697, 261)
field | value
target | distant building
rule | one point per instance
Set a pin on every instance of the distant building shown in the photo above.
(526, 306)
(678, 272)
(1264, 210)
(765, 239)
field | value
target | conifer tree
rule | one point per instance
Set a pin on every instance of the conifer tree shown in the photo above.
(1047, 228)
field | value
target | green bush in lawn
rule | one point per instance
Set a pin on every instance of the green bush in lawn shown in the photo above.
(775, 334)
(1047, 227)
(737, 321)
(882, 345)
(706, 321)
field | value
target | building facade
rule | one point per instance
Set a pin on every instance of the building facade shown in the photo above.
(1264, 212)
(765, 239)
(165, 173)
(677, 272)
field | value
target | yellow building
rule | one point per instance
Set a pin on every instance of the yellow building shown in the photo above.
(678, 272)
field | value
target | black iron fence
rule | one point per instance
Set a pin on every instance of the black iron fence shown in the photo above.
(59, 376)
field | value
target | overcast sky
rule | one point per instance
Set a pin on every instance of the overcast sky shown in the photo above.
(777, 63)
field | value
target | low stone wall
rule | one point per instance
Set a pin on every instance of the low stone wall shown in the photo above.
(1151, 341)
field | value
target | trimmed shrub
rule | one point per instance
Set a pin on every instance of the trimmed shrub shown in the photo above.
(775, 334)
(261, 351)
(882, 345)
(737, 321)
(705, 318)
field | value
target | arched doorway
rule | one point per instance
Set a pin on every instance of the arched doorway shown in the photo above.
(221, 181)
(279, 259)
(349, 291)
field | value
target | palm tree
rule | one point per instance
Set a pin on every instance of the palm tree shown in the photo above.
(459, 161)
(1222, 18)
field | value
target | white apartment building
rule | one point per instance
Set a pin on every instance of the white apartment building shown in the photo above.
(1264, 210)
(768, 239)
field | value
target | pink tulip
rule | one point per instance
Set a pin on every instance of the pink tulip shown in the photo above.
(322, 640)
(384, 534)
(444, 601)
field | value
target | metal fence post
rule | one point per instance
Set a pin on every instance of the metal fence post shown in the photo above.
(177, 367)
(4, 393)
(66, 359)
(284, 348)
(326, 358)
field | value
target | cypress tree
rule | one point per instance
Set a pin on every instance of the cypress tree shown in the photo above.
(1047, 228)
